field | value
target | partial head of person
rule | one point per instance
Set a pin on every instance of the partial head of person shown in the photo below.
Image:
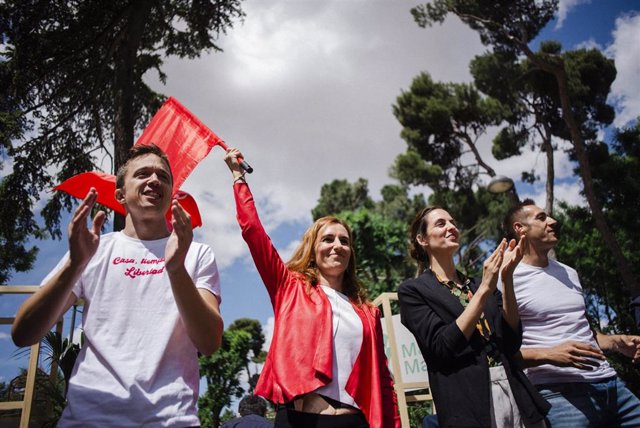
(252, 405)
(145, 180)
(528, 219)
(433, 233)
(326, 250)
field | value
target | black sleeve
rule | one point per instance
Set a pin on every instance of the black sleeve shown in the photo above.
(440, 341)
(511, 340)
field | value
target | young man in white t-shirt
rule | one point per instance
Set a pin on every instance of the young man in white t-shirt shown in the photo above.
(564, 356)
(151, 303)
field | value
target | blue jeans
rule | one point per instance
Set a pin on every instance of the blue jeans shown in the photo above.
(599, 404)
(430, 421)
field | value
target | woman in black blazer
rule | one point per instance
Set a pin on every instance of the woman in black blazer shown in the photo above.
(469, 333)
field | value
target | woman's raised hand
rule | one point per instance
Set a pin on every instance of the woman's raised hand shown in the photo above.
(491, 267)
(231, 158)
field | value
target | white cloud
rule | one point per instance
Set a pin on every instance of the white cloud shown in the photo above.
(564, 7)
(529, 160)
(570, 193)
(269, 45)
(305, 90)
(267, 329)
(287, 252)
(567, 191)
(563, 166)
(4, 336)
(589, 44)
(624, 50)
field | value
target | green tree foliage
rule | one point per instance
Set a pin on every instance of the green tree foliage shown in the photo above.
(532, 98)
(72, 95)
(58, 351)
(441, 123)
(589, 78)
(500, 23)
(340, 195)
(379, 229)
(380, 245)
(417, 412)
(616, 173)
(48, 399)
(4, 391)
(254, 328)
(223, 369)
(227, 415)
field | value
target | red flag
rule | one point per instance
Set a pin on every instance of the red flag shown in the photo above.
(190, 206)
(105, 184)
(185, 140)
(182, 136)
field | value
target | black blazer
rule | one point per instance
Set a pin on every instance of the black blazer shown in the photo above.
(458, 369)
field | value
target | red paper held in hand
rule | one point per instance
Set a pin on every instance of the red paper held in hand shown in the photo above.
(185, 140)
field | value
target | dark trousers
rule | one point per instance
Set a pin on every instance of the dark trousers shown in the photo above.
(289, 418)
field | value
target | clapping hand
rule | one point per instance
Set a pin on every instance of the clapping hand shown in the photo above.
(180, 239)
(491, 267)
(83, 242)
(512, 256)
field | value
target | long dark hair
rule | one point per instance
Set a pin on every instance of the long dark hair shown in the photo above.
(419, 227)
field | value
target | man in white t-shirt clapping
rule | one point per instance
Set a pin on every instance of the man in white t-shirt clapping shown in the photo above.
(151, 303)
(563, 355)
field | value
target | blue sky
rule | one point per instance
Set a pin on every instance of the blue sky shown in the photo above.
(305, 88)
(590, 20)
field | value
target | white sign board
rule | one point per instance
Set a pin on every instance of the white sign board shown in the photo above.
(412, 365)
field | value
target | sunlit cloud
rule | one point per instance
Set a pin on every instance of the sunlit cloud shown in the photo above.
(565, 7)
(626, 53)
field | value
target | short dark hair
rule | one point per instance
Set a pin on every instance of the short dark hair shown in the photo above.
(252, 405)
(137, 151)
(510, 218)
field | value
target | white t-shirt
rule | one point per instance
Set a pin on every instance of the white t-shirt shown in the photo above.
(552, 310)
(347, 341)
(138, 366)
